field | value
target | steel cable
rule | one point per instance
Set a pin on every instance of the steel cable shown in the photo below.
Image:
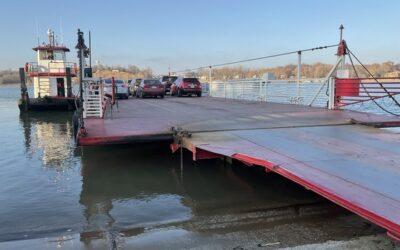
(365, 89)
(257, 58)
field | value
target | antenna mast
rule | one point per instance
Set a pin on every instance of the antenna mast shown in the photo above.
(90, 49)
(37, 31)
(341, 28)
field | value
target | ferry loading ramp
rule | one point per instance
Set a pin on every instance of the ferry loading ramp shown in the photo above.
(339, 154)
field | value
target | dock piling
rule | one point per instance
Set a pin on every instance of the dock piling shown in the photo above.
(24, 90)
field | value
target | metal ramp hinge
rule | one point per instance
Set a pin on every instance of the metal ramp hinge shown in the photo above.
(179, 134)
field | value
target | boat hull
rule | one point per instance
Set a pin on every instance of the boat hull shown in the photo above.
(48, 103)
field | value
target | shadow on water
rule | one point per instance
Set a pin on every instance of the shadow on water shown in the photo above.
(129, 189)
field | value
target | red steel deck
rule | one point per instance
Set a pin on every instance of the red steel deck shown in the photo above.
(355, 166)
(139, 120)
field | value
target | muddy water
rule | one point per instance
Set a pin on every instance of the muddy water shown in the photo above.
(141, 196)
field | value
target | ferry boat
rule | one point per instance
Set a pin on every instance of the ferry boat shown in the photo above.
(51, 76)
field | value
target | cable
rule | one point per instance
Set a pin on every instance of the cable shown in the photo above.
(387, 92)
(257, 58)
(365, 89)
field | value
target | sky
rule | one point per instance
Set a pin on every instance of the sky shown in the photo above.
(187, 34)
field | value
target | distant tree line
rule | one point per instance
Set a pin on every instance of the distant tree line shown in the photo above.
(129, 72)
(9, 76)
(316, 70)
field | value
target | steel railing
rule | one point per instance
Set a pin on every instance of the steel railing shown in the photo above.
(279, 91)
(34, 68)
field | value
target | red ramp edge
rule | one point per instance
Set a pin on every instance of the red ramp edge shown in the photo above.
(198, 153)
(393, 229)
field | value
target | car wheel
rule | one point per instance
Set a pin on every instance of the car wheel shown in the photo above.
(161, 96)
(199, 94)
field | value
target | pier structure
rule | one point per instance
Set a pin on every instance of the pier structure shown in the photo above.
(338, 153)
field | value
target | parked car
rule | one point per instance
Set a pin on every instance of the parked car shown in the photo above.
(150, 87)
(129, 86)
(186, 86)
(122, 90)
(167, 82)
(134, 85)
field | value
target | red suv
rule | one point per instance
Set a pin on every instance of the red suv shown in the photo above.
(150, 87)
(186, 86)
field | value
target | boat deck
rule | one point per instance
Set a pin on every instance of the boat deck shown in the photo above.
(328, 152)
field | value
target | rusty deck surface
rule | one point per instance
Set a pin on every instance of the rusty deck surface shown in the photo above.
(329, 152)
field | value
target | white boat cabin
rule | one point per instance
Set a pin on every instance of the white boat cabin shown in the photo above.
(49, 73)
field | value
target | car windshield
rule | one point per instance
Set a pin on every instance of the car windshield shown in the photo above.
(151, 82)
(168, 78)
(191, 80)
(173, 78)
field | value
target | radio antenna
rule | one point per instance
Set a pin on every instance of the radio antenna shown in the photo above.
(90, 49)
(37, 31)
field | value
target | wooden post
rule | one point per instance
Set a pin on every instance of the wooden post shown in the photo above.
(69, 84)
(24, 90)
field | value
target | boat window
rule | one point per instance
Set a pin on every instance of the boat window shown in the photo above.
(43, 55)
(58, 55)
(50, 55)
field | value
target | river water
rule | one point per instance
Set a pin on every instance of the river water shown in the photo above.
(51, 188)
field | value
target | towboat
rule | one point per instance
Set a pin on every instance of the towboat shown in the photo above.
(51, 76)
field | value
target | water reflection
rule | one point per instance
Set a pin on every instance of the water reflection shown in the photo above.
(131, 191)
(127, 190)
(49, 135)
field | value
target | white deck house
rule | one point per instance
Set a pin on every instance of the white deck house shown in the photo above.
(49, 72)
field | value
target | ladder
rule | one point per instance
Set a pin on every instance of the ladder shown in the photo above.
(93, 100)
